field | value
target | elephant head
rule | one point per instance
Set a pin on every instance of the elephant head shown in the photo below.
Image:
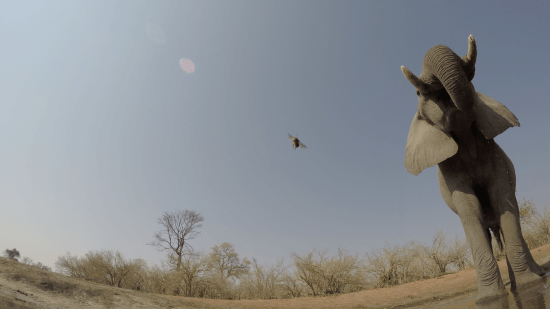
(447, 105)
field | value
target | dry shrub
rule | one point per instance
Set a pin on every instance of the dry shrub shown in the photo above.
(28, 261)
(329, 275)
(224, 269)
(459, 251)
(192, 271)
(105, 267)
(188, 281)
(12, 254)
(292, 285)
(159, 281)
(535, 225)
(395, 265)
(213, 275)
(439, 253)
(263, 281)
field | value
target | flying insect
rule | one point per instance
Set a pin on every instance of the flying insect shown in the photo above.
(296, 142)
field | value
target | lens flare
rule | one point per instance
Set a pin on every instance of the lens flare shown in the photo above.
(155, 33)
(187, 65)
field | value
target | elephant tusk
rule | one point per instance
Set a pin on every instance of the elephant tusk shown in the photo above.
(415, 81)
(469, 61)
(472, 50)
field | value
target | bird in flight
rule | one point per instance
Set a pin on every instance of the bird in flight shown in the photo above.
(296, 142)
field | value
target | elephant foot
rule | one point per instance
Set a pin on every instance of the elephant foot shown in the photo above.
(527, 280)
(488, 295)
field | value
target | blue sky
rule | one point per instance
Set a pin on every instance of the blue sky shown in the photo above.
(101, 131)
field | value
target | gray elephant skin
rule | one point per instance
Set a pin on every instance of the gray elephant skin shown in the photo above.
(454, 127)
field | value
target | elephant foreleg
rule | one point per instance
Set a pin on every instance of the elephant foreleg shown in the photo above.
(489, 281)
(502, 197)
(525, 270)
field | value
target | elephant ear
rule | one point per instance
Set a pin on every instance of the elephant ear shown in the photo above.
(426, 146)
(493, 117)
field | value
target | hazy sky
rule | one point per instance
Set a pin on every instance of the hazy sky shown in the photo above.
(101, 130)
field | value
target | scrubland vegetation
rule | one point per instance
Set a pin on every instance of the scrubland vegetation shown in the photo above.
(15, 255)
(221, 273)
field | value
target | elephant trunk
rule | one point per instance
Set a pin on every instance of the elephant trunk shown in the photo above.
(442, 65)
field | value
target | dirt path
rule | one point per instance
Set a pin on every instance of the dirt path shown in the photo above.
(23, 286)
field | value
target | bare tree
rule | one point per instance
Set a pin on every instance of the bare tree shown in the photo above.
(178, 228)
(12, 254)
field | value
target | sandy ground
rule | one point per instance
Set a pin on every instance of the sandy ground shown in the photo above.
(23, 286)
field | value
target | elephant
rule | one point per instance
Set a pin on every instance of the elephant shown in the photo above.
(454, 127)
